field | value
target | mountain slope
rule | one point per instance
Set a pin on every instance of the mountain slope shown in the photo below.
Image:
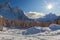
(12, 13)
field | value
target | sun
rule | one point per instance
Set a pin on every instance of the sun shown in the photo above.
(49, 6)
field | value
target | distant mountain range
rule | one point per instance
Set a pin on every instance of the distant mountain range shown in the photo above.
(39, 17)
(49, 17)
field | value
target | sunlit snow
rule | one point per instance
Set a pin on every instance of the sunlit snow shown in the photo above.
(35, 33)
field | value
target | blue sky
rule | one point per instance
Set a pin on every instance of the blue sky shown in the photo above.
(36, 5)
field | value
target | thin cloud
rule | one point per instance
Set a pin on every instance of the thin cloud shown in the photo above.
(34, 15)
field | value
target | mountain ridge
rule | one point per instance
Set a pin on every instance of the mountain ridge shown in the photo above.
(49, 17)
(12, 13)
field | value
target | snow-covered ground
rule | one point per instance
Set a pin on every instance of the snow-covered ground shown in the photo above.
(35, 33)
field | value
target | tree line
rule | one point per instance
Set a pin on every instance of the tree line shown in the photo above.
(22, 24)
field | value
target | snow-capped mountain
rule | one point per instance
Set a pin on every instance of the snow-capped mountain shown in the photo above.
(12, 13)
(49, 17)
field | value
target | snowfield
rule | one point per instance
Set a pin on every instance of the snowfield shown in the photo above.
(35, 33)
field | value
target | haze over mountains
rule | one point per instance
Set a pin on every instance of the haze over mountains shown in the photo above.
(49, 17)
(43, 17)
(35, 15)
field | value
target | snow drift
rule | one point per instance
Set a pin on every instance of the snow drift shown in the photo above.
(34, 33)
(40, 30)
(53, 28)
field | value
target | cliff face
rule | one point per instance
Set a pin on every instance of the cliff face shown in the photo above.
(12, 13)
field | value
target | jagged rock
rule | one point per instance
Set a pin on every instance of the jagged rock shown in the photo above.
(7, 11)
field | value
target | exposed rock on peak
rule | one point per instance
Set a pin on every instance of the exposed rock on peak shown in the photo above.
(7, 11)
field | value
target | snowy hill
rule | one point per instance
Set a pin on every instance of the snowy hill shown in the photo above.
(49, 17)
(35, 33)
(12, 13)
